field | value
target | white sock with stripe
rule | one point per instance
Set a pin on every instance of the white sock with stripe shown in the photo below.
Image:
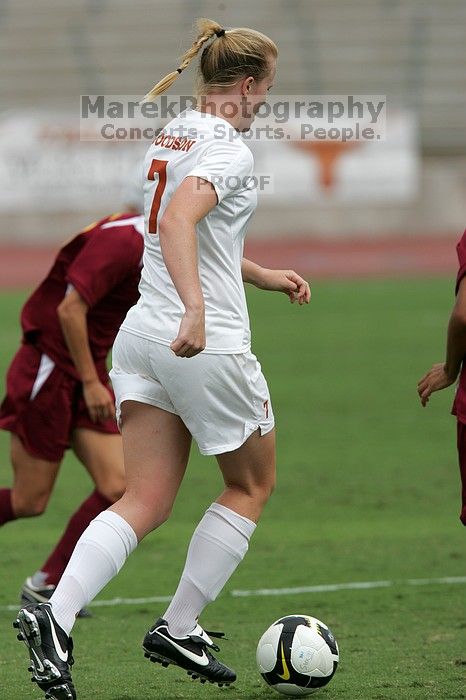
(218, 545)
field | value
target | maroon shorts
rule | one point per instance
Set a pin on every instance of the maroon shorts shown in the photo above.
(461, 435)
(44, 405)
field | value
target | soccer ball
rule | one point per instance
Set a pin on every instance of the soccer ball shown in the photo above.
(297, 655)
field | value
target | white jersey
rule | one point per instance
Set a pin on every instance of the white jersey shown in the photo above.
(198, 144)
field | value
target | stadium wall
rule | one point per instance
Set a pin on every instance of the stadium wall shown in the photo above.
(412, 51)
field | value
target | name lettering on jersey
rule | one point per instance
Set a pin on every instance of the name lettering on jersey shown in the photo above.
(176, 143)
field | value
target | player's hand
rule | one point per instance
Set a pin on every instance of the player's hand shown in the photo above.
(289, 282)
(98, 400)
(435, 380)
(190, 340)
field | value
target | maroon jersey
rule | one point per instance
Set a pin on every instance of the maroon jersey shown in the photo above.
(459, 404)
(103, 263)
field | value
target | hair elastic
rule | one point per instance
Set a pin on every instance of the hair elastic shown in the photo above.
(179, 70)
(220, 32)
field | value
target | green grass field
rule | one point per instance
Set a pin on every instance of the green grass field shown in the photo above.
(368, 490)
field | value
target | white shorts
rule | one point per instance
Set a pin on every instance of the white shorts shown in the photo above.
(222, 399)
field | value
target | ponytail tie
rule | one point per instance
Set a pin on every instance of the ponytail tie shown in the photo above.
(220, 32)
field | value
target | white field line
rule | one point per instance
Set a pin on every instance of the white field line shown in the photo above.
(356, 585)
(325, 588)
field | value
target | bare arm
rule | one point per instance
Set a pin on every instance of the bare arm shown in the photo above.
(443, 374)
(178, 241)
(287, 281)
(251, 272)
(72, 314)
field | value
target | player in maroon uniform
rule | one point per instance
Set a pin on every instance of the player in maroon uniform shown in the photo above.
(445, 373)
(58, 392)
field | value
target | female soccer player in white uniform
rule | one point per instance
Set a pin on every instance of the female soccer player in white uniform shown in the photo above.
(183, 368)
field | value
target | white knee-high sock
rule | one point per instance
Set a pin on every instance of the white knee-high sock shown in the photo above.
(218, 545)
(98, 556)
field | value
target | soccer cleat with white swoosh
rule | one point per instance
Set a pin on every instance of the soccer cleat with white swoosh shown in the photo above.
(50, 651)
(191, 653)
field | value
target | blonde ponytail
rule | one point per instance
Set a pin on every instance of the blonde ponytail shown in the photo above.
(237, 53)
(207, 29)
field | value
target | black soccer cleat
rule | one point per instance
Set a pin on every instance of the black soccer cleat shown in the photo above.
(50, 651)
(41, 594)
(191, 653)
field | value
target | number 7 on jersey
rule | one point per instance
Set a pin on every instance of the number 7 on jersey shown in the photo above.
(158, 167)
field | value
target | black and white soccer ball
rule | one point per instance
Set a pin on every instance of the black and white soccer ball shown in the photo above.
(297, 655)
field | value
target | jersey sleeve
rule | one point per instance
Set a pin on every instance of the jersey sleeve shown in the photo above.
(461, 252)
(104, 261)
(227, 165)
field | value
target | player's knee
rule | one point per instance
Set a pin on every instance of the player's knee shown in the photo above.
(162, 516)
(265, 487)
(158, 513)
(271, 487)
(258, 491)
(25, 506)
(150, 512)
(113, 491)
(265, 490)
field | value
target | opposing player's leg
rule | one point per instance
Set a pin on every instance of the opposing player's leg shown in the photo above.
(36, 411)
(33, 481)
(461, 444)
(99, 448)
(156, 445)
(102, 455)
